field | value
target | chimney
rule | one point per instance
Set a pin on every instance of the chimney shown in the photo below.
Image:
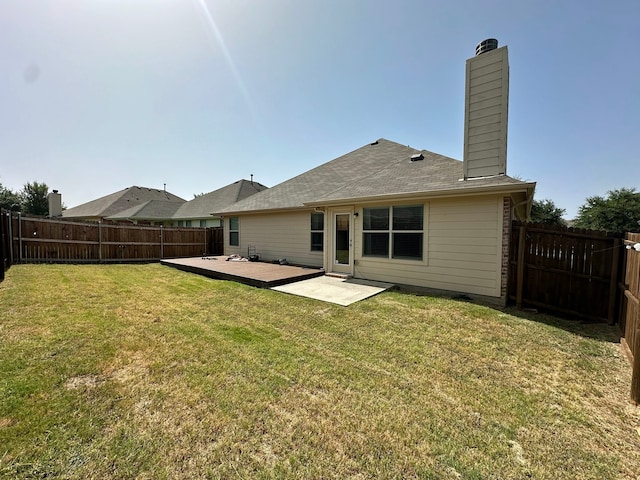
(485, 111)
(55, 204)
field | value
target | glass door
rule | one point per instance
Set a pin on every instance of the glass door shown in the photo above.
(342, 255)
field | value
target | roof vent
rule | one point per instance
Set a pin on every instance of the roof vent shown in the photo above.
(486, 46)
(374, 143)
(417, 157)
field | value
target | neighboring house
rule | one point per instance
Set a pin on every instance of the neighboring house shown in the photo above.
(194, 213)
(129, 198)
(198, 212)
(393, 213)
(153, 212)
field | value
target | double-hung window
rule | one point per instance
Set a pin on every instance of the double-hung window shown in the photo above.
(317, 232)
(234, 231)
(393, 232)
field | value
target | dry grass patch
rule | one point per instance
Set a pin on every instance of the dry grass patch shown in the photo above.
(148, 372)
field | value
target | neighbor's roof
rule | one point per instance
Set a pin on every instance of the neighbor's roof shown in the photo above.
(204, 205)
(119, 201)
(378, 170)
(151, 210)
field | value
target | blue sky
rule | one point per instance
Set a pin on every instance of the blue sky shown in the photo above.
(99, 95)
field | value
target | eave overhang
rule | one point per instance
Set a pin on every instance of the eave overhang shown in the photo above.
(526, 189)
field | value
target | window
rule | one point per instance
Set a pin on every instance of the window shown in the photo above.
(317, 232)
(203, 223)
(234, 231)
(395, 232)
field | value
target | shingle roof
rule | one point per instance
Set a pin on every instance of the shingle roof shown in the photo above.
(119, 201)
(204, 205)
(151, 210)
(382, 168)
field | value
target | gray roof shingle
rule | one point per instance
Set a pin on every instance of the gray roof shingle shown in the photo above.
(151, 210)
(204, 205)
(119, 201)
(382, 168)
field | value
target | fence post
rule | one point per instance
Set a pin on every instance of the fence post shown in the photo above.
(11, 259)
(161, 242)
(520, 271)
(20, 235)
(3, 235)
(613, 287)
(100, 241)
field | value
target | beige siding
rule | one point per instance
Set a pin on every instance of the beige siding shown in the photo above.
(276, 236)
(486, 110)
(463, 245)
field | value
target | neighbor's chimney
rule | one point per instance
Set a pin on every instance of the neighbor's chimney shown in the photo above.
(55, 204)
(486, 110)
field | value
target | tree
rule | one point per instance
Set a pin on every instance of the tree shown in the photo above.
(33, 198)
(546, 212)
(618, 212)
(8, 199)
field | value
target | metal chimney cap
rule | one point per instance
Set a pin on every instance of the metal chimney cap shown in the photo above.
(486, 46)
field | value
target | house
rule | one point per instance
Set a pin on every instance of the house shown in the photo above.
(194, 213)
(141, 205)
(152, 212)
(197, 212)
(393, 213)
(103, 207)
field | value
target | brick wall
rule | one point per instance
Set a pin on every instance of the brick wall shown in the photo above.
(506, 235)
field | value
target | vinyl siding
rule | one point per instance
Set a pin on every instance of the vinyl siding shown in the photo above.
(463, 245)
(486, 110)
(276, 236)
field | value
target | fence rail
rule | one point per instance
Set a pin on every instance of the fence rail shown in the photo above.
(34, 240)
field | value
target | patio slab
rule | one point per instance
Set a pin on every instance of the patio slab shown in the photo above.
(335, 290)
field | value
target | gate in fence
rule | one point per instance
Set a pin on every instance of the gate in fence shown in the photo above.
(565, 270)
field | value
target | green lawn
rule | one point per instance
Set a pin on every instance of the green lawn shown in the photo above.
(147, 372)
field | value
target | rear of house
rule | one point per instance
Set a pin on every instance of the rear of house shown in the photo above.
(396, 214)
(456, 243)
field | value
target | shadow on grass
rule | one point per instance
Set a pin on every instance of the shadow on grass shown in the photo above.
(588, 329)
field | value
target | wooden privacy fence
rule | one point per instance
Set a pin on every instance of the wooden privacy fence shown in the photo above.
(630, 310)
(42, 240)
(565, 270)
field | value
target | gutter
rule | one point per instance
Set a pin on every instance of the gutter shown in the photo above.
(304, 206)
(452, 192)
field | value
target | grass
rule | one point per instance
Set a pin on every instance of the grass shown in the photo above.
(149, 372)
